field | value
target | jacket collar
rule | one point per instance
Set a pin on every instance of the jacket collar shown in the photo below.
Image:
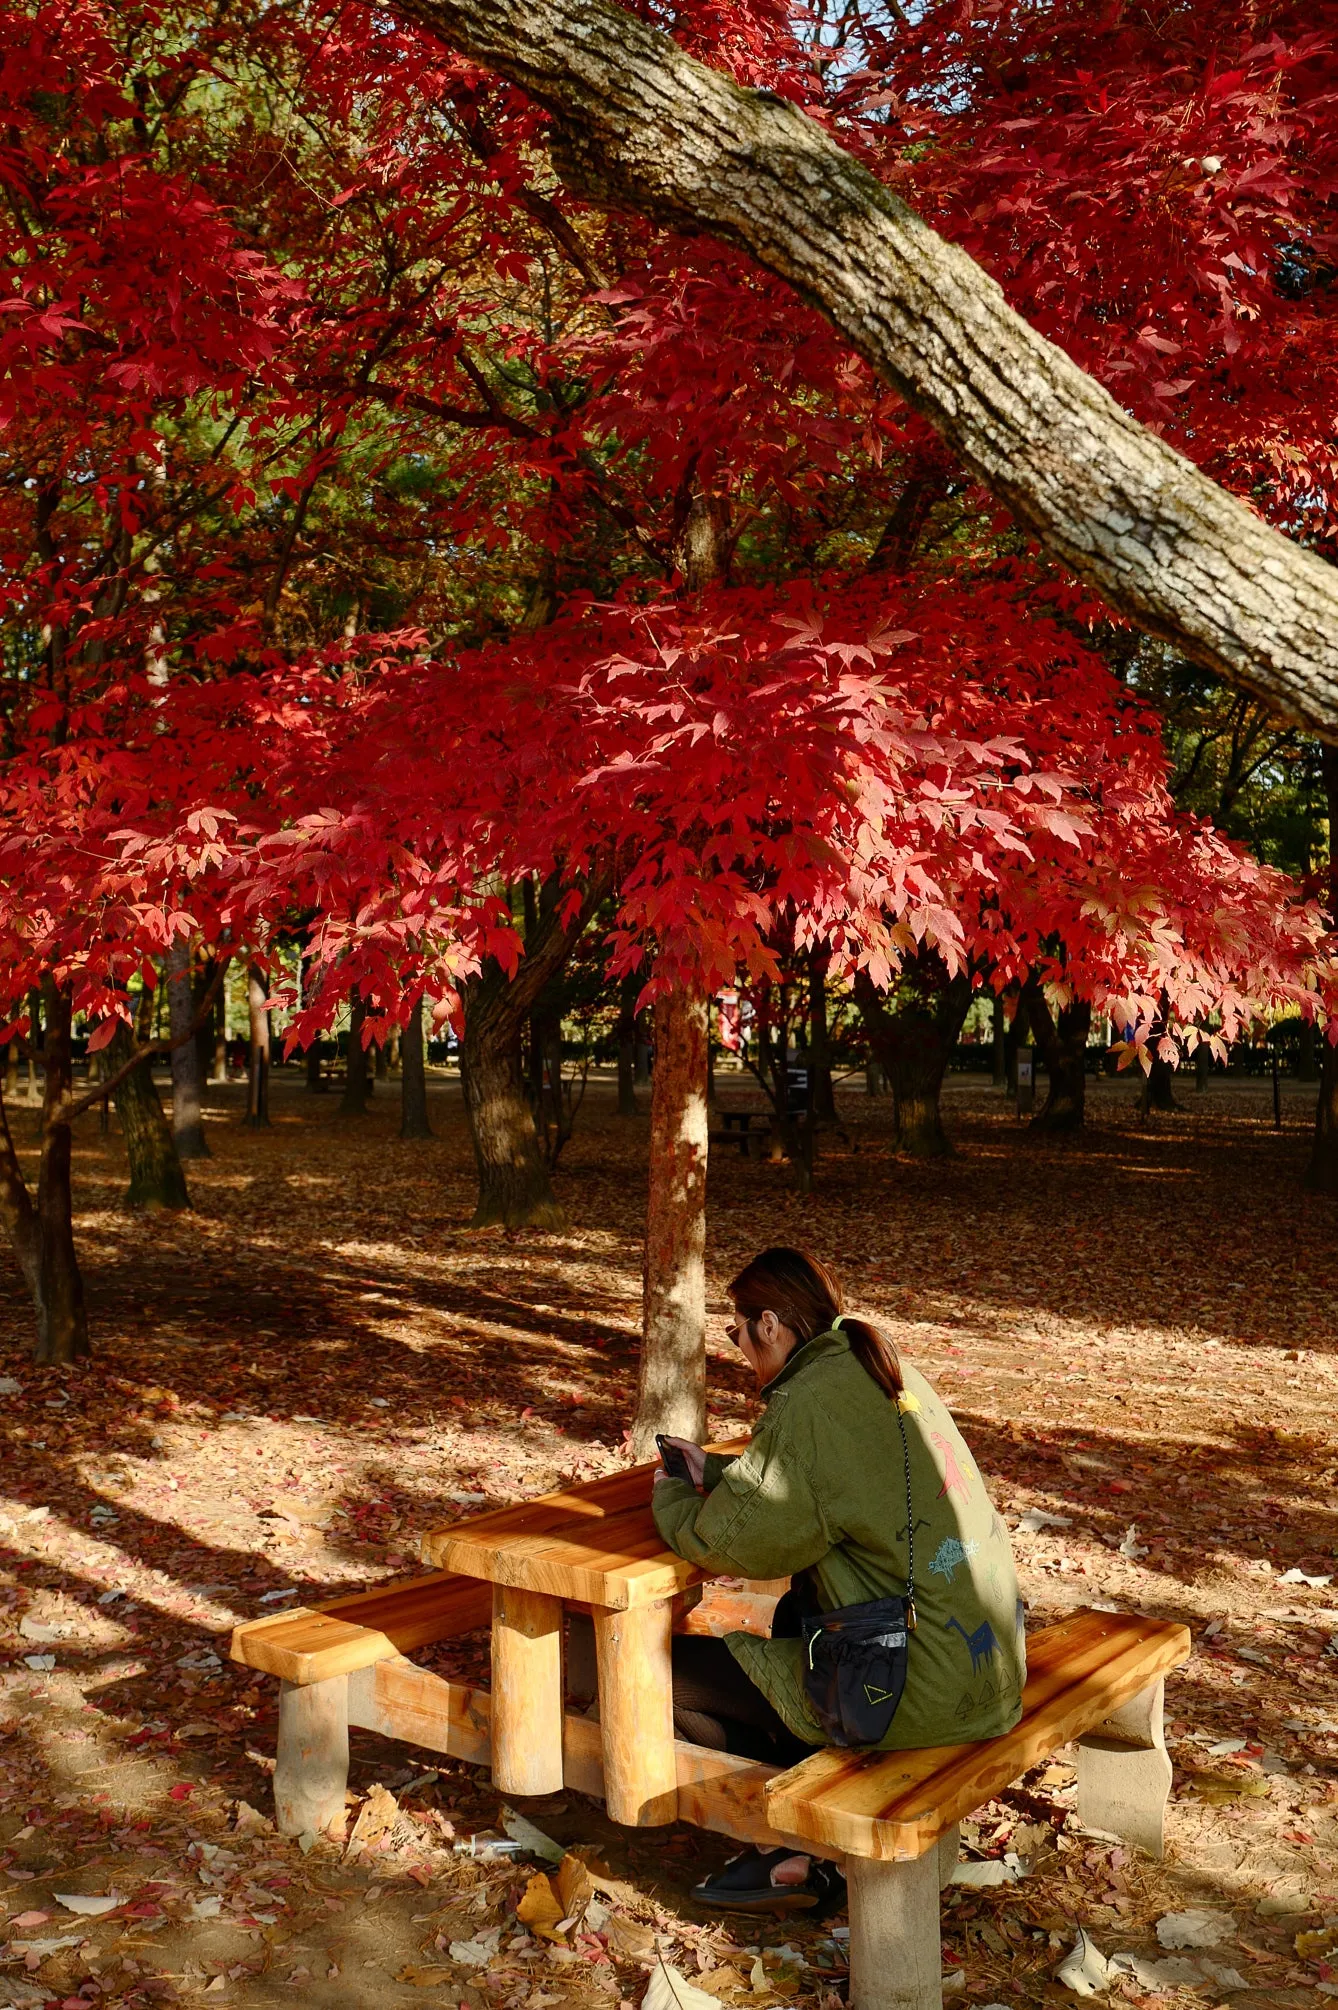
(831, 1342)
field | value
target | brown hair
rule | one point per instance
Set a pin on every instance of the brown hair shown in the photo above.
(806, 1296)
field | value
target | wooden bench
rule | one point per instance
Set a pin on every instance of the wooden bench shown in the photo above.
(891, 1818)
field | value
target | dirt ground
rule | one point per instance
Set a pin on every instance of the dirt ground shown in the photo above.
(297, 1379)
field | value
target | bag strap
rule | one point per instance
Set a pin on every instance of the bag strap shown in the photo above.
(910, 1518)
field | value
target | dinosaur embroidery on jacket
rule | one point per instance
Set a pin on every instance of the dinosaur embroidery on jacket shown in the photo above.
(951, 1553)
(953, 1480)
(980, 1644)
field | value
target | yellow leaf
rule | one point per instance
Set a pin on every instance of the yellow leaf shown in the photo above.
(540, 1907)
(426, 1978)
(574, 1888)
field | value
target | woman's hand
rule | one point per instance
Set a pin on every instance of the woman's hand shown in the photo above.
(694, 1458)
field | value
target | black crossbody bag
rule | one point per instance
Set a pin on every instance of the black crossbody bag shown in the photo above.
(855, 1658)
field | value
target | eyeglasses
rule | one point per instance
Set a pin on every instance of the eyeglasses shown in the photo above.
(734, 1329)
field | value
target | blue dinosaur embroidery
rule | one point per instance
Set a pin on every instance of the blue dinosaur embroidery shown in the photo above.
(980, 1644)
(950, 1554)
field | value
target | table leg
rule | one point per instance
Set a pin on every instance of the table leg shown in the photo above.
(636, 1714)
(311, 1768)
(526, 1691)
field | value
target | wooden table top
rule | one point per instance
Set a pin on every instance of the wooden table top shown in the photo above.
(595, 1544)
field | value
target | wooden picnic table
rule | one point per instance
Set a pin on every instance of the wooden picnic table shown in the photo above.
(594, 1549)
(1094, 1677)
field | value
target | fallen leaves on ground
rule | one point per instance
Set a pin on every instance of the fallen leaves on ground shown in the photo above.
(319, 1364)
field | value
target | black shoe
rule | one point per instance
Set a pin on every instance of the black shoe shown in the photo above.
(744, 1885)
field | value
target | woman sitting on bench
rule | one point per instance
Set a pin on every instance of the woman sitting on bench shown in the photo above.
(903, 1627)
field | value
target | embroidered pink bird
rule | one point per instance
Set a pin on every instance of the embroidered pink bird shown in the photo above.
(952, 1473)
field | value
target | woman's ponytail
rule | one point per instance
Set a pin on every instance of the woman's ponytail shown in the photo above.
(807, 1297)
(875, 1353)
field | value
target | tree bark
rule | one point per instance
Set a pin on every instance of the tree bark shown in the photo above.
(257, 1072)
(357, 1074)
(413, 1078)
(187, 1098)
(671, 1386)
(42, 1232)
(1063, 1047)
(641, 124)
(913, 1042)
(157, 1180)
(515, 1189)
(628, 992)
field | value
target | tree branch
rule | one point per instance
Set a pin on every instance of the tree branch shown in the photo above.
(642, 125)
(74, 1106)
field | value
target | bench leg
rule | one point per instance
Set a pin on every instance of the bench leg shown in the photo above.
(526, 1691)
(895, 1957)
(636, 1714)
(1124, 1773)
(949, 1849)
(311, 1765)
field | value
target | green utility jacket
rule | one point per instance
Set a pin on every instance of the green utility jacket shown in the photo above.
(822, 1488)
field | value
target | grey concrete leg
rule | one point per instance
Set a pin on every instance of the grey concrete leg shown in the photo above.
(949, 1849)
(311, 1767)
(1124, 1773)
(895, 1957)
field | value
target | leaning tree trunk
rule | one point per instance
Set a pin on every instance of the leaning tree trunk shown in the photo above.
(157, 1180)
(187, 1099)
(1063, 1048)
(42, 1232)
(640, 123)
(671, 1388)
(628, 991)
(257, 1071)
(413, 1078)
(913, 1044)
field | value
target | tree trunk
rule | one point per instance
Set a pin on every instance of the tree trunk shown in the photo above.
(413, 1078)
(1063, 1048)
(257, 1071)
(628, 991)
(156, 1177)
(515, 1190)
(357, 1075)
(187, 1111)
(1159, 1087)
(821, 1093)
(998, 1055)
(641, 123)
(35, 1091)
(42, 1233)
(1321, 1175)
(671, 1390)
(219, 1071)
(913, 1043)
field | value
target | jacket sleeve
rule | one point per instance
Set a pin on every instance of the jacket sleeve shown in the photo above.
(763, 1518)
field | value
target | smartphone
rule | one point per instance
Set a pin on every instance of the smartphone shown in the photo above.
(672, 1459)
